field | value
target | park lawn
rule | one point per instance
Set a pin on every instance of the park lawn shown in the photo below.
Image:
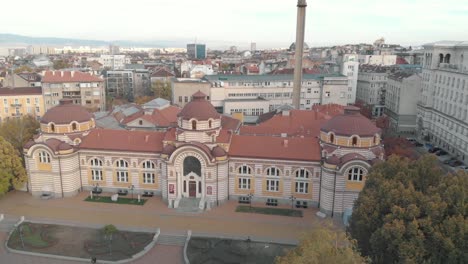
(30, 237)
(120, 200)
(269, 211)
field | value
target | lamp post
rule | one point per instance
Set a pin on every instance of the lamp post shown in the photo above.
(292, 198)
(131, 189)
(250, 195)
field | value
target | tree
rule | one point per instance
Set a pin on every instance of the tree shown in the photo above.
(323, 245)
(383, 123)
(109, 231)
(143, 99)
(61, 64)
(12, 172)
(410, 212)
(400, 147)
(23, 68)
(162, 89)
(19, 131)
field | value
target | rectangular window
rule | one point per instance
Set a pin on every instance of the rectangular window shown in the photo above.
(302, 187)
(28, 101)
(186, 99)
(122, 176)
(244, 183)
(148, 178)
(180, 99)
(272, 202)
(272, 185)
(96, 175)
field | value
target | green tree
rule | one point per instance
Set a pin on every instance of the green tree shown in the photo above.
(12, 172)
(410, 212)
(323, 245)
(109, 231)
(23, 68)
(19, 131)
(162, 89)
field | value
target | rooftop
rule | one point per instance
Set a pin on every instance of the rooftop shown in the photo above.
(69, 76)
(16, 91)
(266, 77)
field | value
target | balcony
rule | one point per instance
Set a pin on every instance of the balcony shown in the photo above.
(16, 105)
(16, 114)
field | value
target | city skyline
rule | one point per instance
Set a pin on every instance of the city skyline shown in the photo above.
(268, 23)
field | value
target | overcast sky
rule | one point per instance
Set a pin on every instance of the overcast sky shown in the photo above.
(269, 23)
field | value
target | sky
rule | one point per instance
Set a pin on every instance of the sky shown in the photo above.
(269, 23)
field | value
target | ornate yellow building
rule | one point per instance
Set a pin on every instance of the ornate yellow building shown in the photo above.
(303, 157)
(21, 101)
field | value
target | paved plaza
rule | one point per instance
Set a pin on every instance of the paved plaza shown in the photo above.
(219, 222)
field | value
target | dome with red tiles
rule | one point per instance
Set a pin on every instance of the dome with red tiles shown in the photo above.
(351, 123)
(199, 108)
(65, 113)
(218, 152)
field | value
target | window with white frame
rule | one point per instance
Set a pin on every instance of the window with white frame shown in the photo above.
(148, 172)
(96, 169)
(245, 170)
(272, 171)
(302, 173)
(44, 157)
(302, 187)
(244, 183)
(122, 171)
(272, 185)
(355, 174)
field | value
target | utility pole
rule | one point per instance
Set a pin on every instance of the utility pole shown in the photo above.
(300, 31)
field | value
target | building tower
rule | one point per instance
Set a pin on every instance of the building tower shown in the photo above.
(300, 30)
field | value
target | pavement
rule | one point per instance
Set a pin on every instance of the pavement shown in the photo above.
(222, 221)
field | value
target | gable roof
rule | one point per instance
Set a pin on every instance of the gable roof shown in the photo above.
(69, 76)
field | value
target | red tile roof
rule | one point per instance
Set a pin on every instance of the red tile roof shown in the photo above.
(264, 147)
(230, 123)
(199, 108)
(351, 123)
(65, 113)
(69, 76)
(14, 91)
(162, 72)
(224, 136)
(124, 140)
(161, 118)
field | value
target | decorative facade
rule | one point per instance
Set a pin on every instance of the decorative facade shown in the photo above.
(306, 158)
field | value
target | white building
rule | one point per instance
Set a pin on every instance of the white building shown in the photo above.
(114, 62)
(382, 60)
(402, 94)
(350, 68)
(443, 105)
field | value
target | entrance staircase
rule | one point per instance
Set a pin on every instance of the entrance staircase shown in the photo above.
(172, 239)
(189, 205)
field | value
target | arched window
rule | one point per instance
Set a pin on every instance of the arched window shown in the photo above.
(441, 58)
(302, 173)
(122, 171)
(375, 140)
(192, 164)
(52, 127)
(272, 171)
(209, 123)
(447, 58)
(140, 122)
(44, 157)
(148, 172)
(245, 170)
(354, 141)
(355, 174)
(74, 127)
(194, 125)
(332, 138)
(96, 169)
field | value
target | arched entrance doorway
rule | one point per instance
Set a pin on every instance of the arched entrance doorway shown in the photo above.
(192, 183)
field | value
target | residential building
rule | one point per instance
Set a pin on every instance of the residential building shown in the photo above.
(402, 94)
(196, 51)
(442, 109)
(380, 60)
(350, 67)
(129, 83)
(184, 88)
(83, 88)
(24, 79)
(204, 159)
(20, 101)
(253, 46)
(114, 62)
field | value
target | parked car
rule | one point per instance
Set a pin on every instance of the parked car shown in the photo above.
(417, 144)
(432, 150)
(449, 160)
(441, 152)
(412, 140)
(463, 167)
(455, 163)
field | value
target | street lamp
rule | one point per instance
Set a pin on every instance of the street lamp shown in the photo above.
(292, 198)
(131, 189)
(250, 195)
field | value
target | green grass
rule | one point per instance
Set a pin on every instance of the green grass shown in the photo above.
(269, 211)
(121, 200)
(30, 238)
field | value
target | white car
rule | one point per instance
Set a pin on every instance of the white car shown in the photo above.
(463, 167)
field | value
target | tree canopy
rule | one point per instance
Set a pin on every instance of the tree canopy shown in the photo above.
(410, 212)
(400, 146)
(19, 131)
(162, 89)
(23, 68)
(12, 172)
(323, 245)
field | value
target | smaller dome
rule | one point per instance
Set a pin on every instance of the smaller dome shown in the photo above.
(334, 160)
(351, 123)
(199, 108)
(167, 150)
(65, 113)
(218, 152)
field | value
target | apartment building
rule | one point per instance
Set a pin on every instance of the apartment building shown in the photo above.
(83, 88)
(380, 60)
(184, 88)
(402, 94)
(114, 62)
(349, 67)
(16, 102)
(442, 117)
(129, 83)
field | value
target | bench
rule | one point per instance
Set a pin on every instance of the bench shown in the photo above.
(148, 194)
(122, 192)
(97, 190)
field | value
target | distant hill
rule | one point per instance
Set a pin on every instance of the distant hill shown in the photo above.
(13, 39)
